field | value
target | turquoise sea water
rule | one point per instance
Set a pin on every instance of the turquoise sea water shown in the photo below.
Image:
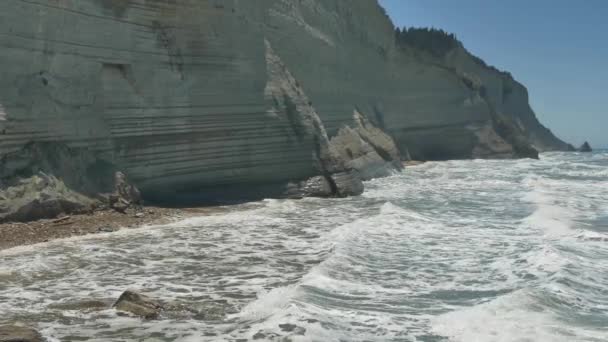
(448, 251)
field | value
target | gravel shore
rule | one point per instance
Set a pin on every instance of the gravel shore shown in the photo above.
(104, 221)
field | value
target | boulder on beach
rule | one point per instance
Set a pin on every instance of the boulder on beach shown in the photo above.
(363, 148)
(40, 196)
(13, 333)
(318, 186)
(138, 305)
(348, 184)
(125, 194)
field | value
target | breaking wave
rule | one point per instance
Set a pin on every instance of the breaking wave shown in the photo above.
(451, 251)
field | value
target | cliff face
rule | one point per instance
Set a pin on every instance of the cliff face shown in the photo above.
(222, 96)
(508, 98)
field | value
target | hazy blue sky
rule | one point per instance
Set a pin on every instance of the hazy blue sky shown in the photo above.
(557, 48)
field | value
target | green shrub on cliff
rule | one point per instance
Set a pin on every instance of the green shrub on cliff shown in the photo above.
(435, 41)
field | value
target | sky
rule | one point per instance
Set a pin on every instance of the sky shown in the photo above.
(557, 48)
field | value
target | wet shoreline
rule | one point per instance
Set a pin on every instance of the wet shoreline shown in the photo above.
(15, 234)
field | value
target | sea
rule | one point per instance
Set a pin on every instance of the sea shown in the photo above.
(477, 250)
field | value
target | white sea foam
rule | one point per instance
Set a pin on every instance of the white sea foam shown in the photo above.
(512, 317)
(553, 219)
(468, 250)
(267, 304)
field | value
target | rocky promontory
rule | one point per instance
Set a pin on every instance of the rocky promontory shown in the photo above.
(585, 147)
(205, 101)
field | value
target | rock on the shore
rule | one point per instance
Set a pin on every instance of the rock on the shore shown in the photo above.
(13, 333)
(348, 184)
(45, 180)
(364, 148)
(292, 328)
(138, 305)
(143, 306)
(585, 147)
(125, 194)
(318, 186)
(266, 336)
(40, 196)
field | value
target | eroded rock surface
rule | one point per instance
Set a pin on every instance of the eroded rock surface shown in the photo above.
(318, 186)
(146, 307)
(348, 183)
(40, 196)
(366, 149)
(358, 152)
(139, 305)
(46, 180)
(125, 194)
(188, 96)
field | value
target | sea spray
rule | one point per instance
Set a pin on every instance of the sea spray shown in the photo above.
(460, 251)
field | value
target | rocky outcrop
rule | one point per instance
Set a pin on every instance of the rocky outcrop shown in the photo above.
(358, 152)
(240, 98)
(41, 196)
(318, 186)
(125, 194)
(13, 333)
(347, 184)
(585, 147)
(364, 148)
(44, 196)
(138, 305)
(43, 181)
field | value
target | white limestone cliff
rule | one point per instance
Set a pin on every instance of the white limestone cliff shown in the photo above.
(182, 97)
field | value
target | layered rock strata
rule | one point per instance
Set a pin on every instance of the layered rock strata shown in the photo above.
(213, 99)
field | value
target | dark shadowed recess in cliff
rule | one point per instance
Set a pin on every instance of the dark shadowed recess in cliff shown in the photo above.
(80, 169)
(215, 195)
(438, 143)
(84, 172)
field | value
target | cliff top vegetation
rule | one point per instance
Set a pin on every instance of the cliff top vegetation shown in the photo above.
(435, 41)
